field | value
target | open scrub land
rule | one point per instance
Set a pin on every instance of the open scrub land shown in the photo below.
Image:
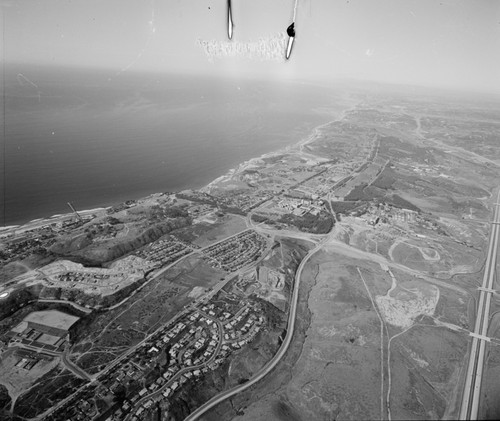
(335, 279)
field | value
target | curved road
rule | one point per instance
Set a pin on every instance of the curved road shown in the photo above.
(275, 360)
(343, 249)
(185, 369)
(71, 303)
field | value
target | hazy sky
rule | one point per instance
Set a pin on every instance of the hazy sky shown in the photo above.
(445, 43)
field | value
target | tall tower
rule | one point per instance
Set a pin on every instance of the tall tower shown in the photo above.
(75, 212)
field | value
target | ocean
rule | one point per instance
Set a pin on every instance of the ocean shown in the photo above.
(95, 139)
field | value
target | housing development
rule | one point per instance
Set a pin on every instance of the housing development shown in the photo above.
(334, 279)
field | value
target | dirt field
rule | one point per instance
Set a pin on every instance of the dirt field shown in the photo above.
(426, 362)
(11, 270)
(18, 380)
(344, 367)
(203, 234)
(53, 386)
(440, 258)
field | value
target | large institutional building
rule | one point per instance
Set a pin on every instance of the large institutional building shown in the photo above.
(52, 322)
(44, 330)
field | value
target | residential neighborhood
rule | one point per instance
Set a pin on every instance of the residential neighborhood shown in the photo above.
(199, 341)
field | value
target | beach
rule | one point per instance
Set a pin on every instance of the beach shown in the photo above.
(296, 148)
(96, 145)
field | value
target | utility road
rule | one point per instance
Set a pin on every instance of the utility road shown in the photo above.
(472, 389)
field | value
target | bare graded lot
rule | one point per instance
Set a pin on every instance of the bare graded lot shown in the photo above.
(18, 380)
(204, 233)
(223, 228)
(109, 334)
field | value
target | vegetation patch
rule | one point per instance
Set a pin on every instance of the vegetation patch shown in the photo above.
(399, 202)
(345, 207)
(53, 387)
(5, 399)
(314, 224)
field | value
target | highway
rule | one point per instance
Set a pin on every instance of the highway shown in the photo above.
(274, 361)
(472, 388)
(340, 247)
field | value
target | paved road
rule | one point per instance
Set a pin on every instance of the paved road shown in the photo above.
(342, 248)
(339, 247)
(70, 365)
(185, 369)
(155, 274)
(112, 365)
(71, 303)
(472, 389)
(77, 371)
(275, 360)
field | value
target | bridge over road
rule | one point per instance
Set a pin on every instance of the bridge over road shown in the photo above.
(472, 389)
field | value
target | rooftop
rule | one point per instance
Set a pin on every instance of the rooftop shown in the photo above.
(52, 318)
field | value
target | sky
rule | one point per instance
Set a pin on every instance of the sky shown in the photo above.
(432, 43)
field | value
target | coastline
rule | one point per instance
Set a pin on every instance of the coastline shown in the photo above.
(296, 147)
(40, 222)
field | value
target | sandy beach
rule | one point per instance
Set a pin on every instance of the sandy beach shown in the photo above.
(40, 222)
(295, 148)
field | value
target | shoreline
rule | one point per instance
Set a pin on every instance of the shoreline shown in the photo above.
(292, 148)
(40, 222)
(248, 164)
